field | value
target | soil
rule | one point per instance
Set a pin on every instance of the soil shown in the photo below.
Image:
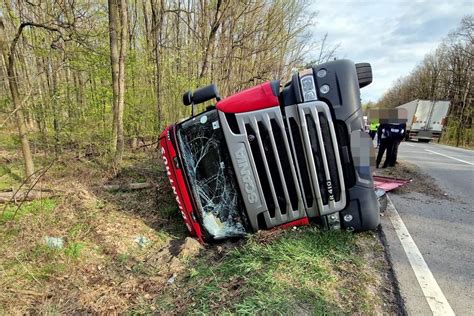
(419, 181)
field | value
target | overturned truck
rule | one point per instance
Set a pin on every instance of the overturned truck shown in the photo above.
(273, 156)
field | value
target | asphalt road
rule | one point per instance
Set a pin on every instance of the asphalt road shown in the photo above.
(442, 227)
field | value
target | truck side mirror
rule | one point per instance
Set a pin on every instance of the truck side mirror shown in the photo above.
(188, 98)
(201, 95)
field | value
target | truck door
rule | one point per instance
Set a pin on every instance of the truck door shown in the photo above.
(438, 115)
(421, 118)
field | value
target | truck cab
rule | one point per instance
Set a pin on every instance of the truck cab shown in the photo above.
(272, 156)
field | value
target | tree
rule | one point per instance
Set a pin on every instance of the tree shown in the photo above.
(9, 58)
(447, 75)
(118, 20)
(78, 98)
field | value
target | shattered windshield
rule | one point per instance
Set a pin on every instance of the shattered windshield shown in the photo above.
(210, 174)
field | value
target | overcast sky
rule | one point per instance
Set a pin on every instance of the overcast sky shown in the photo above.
(391, 35)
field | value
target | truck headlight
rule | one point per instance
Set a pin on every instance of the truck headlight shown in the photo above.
(308, 87)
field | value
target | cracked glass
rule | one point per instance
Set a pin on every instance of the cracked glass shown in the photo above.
(208, 168)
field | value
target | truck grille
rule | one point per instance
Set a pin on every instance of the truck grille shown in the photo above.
(312, 134)
(262, 134)
(271, 155)
(296, 166)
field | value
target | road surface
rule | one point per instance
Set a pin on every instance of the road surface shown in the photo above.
(442, 228)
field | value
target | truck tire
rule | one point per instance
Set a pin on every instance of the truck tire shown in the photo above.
(364, 74)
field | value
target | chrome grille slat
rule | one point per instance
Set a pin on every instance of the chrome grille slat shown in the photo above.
(342, 202)
(310, 160)
(265, 118)
(314, 108)
(292, 113)
(278, 162)
(254, 124)
(291, 161)
(315, 117)
(339, 205)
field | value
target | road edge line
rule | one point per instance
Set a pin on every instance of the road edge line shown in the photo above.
(438, 303)
(434, 152)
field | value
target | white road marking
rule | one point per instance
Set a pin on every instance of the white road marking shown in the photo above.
(434, 296)
(434, 152)
(410, 145)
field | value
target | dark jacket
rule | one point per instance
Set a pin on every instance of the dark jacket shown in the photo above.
(392, 131)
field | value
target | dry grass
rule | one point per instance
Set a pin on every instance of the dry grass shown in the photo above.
(103, 270)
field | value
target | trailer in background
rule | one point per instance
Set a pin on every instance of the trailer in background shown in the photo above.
(410, 107)
(426, 119)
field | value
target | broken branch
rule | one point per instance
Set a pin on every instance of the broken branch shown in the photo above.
(127, 186)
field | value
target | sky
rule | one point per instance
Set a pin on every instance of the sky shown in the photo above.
(392, 35)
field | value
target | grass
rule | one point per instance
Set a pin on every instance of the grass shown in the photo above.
(11, 211)
(10, 175)
(299, 272)
(74, 250)
(102, 270)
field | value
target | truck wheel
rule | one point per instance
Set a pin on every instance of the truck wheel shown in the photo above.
(364, 74)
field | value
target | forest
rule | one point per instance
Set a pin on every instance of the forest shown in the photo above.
(95, 77)
(446, 74)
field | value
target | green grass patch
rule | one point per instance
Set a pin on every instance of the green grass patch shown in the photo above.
(37, 206)
(10, 175)
(9, 141)
(73, 250)
(295, 273)
(47, 270)
(168, 211)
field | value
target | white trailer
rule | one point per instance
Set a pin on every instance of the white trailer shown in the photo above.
(426, 119)
(410, 107)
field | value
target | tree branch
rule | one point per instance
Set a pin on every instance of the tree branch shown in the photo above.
(11, 57)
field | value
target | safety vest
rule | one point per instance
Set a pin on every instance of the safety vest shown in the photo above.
(374, 126)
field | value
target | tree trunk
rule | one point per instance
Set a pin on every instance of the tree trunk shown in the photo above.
(118, 113)
(459, 134)
(210, 40)
(53, 73)
(114, 64)
(9, 59)
(127, 186)
(157, 24)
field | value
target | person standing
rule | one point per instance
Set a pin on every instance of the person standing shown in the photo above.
(398, 132)
(373, 129)
(386, 144)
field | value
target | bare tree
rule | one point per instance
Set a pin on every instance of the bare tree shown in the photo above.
(118, 22)
(9, 55)
(114, 64)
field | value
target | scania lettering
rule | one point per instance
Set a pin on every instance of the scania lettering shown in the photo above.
(244, 167)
